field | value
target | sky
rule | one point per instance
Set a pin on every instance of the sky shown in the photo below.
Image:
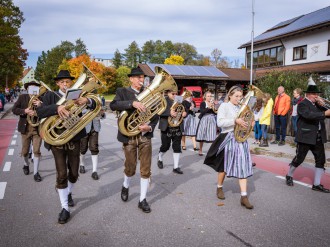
(107, 25)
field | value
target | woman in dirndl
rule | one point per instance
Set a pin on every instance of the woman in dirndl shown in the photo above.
(189, 123)
(227, 156)
(207, 126)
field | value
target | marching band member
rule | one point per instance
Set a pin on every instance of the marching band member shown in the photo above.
(207, 126)
(138, 146)
(227, 156)
(190, 123)
(66, 156)
(91, 142)
(170, 134)
(29, 133)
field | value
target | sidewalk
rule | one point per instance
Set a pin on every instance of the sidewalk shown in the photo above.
(287, 151)
(7, 108)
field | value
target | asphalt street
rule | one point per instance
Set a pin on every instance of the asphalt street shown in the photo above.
(185, 209)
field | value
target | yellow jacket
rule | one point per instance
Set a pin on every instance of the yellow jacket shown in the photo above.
(267, 113)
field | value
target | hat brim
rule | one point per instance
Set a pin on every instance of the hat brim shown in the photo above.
(65, 77)
(31, 84)
(130, 75)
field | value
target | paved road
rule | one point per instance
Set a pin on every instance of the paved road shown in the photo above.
(185, 210)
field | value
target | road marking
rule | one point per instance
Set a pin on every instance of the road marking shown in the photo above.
(297, 182)
(2, 189)
(7, 166)
(14, 136)
(11, 151)
(13, 142)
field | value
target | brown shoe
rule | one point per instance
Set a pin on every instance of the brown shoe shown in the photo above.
(220, 193)
(245, 202)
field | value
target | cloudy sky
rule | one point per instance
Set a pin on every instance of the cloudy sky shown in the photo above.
(107, 25)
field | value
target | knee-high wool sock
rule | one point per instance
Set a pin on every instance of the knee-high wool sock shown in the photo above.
(144, 188)
(36, 161)
(95, 160)
(176, 158)
(160, 156)
(63, 194)
(318, 175)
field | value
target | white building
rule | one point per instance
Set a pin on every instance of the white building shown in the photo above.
(301, 43)
(105, 62)
(28, 75)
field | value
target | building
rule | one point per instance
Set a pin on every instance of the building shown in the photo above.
(105, 62)
(301, 44)
(28, 75)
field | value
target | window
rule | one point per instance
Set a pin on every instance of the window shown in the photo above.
(300, 52)
(266, 58)
(328, 47)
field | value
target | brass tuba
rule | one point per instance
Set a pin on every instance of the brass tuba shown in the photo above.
(34, 120)
(57, 131)
(179, 109)
(248, 104)
(152, 98)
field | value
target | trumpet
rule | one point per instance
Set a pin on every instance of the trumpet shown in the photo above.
(323, 102)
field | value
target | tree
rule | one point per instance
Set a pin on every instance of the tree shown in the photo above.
(188, 52)
(80, 48)
(133, 55)
(117, 59)
(121, 77)
(109, 77)
(175, 60)
(12, 55)
(159, 56)
(216, 55)
(148, 51)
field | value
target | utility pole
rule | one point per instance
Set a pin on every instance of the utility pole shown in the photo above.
(252, 37)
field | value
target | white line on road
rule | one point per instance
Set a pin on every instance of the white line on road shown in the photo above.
(7, 166)
(14, 136)
(13, 142)
(11, 151)
(2, 189)
(297, 182)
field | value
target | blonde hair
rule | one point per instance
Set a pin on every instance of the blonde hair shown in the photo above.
(298, 91)
(204, 96)
(231, 92)
(266, 98)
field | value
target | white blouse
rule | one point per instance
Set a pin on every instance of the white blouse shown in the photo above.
(227, 114)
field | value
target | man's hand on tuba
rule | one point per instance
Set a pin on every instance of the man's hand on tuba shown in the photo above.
(138, 105)
(81, 101)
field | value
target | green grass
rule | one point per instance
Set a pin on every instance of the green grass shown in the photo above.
(109, 97)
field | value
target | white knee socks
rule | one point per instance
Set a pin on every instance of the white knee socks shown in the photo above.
(63, 193)
(160, 156)
(126, 181)
(26, 161)
(144, 188)
(82, 159)
(176, 158)
(36, 164)
(70, 187)
(291, 170)
(95, 159)
(317, 176)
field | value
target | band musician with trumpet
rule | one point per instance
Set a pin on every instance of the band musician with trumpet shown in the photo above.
(137, 145)
(28, 132)
(67, 155)
(170, 134)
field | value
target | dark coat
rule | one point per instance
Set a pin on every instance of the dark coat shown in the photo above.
(163, 118)
(49, 108)
(123, 101)
(309, 118)
(204, 110)
(187, 106)
(19, 109)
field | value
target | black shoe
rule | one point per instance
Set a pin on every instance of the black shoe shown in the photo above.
(281, 143)
(70, 200)
(289, 180)
(124, 194)
(82, 169)
(64, 216)
(30, 155)
(196, 149)
(320, 188)
(26, 170)
(144, 206)
(95, 176)
(160, 164)
(37, 177)
(254, 164)
(177, 170)
(275, 142)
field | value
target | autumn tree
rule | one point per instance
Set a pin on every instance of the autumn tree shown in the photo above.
(12, 55)
(174, 60)
(121, 77)
(185, 50)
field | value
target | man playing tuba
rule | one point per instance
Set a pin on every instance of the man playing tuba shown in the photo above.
(138, 145)
(29, 133)
(66, 156)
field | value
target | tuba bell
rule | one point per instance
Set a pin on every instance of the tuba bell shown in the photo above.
(34, 120)
(152, 98)
(248, 104)
(56, 131)
(179, 109)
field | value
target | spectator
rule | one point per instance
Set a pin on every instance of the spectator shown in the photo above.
(281, 108)
(297, 98)
(257, 114)
(103, 101)
(264, 120)
(2, 101)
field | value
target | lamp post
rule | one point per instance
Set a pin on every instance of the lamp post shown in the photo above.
(252, 37)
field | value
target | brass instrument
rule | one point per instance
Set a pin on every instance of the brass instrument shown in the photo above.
(152, 98)
(323, 102)
(57, 131)
(34, 120)
(214, 108)
(179, 109)
(248, 104)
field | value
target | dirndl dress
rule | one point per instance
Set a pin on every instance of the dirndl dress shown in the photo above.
(207, 128)
(229, 156)
(190, 125)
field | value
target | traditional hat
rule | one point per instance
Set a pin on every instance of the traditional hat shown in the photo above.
(63, 74)
(311, 86)
(31, 83)
(135, 72)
